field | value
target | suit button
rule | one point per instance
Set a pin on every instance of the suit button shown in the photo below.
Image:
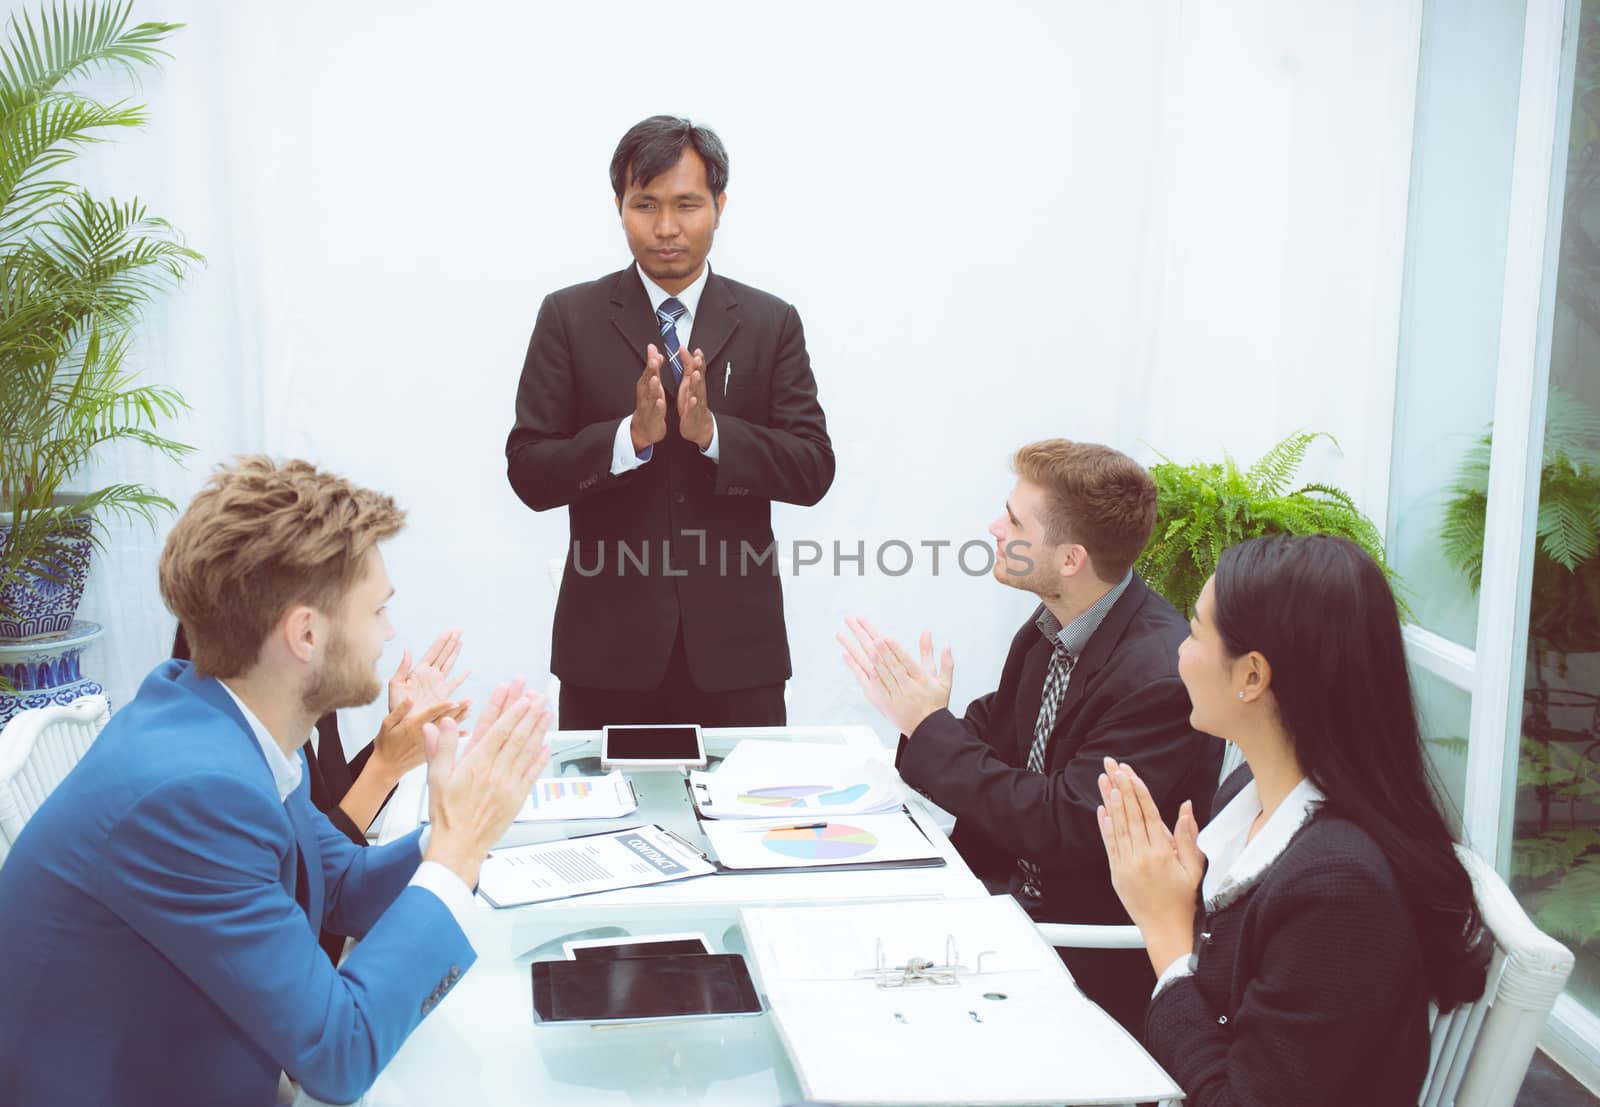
(678, 497)
(1222, 1020)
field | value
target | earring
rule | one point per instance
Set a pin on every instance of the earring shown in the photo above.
(1241, 695)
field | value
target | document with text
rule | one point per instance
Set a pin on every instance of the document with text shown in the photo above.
(579, 866)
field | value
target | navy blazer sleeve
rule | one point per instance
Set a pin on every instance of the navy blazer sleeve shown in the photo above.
(193, 868)
(1049, 818)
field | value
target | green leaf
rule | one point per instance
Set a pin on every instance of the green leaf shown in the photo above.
(1205, 507)
(1570, 908)
(1552, 852)
(76, 273)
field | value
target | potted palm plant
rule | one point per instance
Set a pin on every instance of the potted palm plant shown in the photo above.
(1205, 507)
(76, 272)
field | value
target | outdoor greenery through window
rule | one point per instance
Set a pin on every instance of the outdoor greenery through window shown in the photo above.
(1555, 856)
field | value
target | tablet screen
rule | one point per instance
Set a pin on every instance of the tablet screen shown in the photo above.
(595, 990)
(639, 947)
(651, 743)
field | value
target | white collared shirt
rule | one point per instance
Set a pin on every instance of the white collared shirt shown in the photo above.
(285, 768)
(622, 456)
(1233, 858)
(450, 889)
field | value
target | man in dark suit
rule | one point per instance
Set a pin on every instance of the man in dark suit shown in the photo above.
(1092, 673)
(670, 608)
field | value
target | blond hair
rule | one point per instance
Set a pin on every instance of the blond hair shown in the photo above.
(259, 538)
(1099, 498)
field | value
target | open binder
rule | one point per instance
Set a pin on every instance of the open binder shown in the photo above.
(938, 1002)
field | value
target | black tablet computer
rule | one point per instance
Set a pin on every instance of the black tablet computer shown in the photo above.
(634, 989)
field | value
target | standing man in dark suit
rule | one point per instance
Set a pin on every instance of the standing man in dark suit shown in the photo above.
(1093, 671)
(666, 407)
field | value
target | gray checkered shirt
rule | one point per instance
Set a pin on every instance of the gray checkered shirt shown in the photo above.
(1068, 641)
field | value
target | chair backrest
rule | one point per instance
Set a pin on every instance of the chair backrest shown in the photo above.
(1480, 1051)
(38, 748)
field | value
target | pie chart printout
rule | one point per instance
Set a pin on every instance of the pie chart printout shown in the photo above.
(833, 842)
(802, 795)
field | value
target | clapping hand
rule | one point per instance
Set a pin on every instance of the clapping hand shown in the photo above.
(419, 695)
(694, 413)
(429, 681)
(904, 690)
(649, 424)
(473, 798)
(1156, 872)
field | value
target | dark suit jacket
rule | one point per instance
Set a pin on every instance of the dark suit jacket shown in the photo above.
(1124, 700)
(1308, 985)
(616, 620)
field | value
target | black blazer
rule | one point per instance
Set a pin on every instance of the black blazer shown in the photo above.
(1124, 700)
(1308, 985)
(691, 518)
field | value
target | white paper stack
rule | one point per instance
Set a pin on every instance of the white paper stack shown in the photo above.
(794, 781)
(1019, 1032)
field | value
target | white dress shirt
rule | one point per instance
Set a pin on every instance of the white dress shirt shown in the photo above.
(451, 890)
(1234, 858)
(623, 457)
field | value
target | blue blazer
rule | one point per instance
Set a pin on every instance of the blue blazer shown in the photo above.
(159, 919)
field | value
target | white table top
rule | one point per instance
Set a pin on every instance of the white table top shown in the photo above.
(481, 1046)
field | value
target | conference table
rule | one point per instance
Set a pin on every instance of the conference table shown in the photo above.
(481, 1046)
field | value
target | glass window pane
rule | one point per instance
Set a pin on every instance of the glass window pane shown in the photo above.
(1445, 712)
(1555, 847)
(1467, 86)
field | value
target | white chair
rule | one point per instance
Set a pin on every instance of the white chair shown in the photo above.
(38, 748)
(1479, 1053)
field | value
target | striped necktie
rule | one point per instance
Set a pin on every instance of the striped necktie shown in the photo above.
(668, 314)
(1055, 690)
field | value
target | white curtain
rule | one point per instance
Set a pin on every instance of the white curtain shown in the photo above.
(1143, 224)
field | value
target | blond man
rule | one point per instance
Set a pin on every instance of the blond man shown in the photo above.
(159, 913)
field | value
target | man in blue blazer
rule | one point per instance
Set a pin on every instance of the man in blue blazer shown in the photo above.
(159, 913)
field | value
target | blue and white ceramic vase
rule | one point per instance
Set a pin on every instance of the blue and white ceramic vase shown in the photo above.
(40, 604)
(46, 670)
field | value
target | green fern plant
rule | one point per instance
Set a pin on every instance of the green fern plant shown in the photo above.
(1555, 859)
(75, 273)
(1564, 609)
(1205, 507)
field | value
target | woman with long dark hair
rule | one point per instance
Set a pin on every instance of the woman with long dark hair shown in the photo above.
(1300, 936)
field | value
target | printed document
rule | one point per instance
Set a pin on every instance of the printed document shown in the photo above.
(596, 863)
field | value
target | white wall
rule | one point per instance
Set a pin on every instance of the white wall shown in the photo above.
(1140, 224)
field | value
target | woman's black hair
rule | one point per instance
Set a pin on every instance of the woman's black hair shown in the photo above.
(1319, 610)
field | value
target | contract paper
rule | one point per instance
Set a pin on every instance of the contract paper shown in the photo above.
(595, 863)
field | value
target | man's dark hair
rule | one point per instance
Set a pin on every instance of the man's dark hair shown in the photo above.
(654, 145)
